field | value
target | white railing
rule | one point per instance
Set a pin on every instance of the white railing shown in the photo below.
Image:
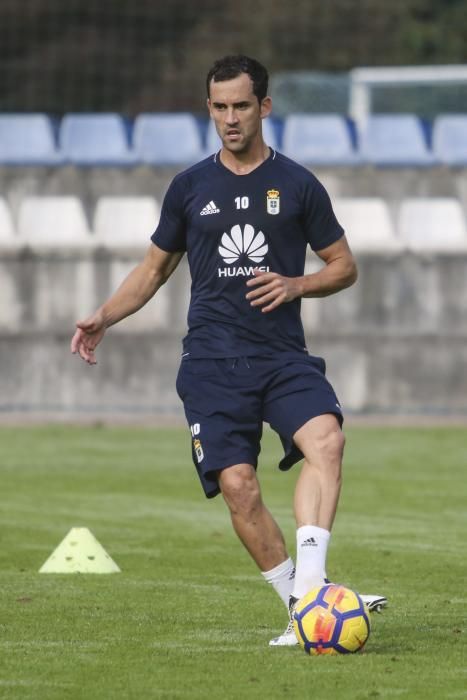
(363, 80)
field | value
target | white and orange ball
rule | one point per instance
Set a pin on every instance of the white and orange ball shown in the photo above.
(331, 619)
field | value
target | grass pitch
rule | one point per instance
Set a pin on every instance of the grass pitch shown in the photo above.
(189, 616)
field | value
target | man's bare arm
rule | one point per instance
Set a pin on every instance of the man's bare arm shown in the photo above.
(134, 292)
(340, 271)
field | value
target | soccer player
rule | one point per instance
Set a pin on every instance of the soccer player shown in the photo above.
(244, 217)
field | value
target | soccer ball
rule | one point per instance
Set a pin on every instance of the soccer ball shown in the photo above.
(331, 619)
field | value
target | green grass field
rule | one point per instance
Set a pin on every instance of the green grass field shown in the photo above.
(189, 616)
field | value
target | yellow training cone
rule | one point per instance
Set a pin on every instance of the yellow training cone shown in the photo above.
(79, 553)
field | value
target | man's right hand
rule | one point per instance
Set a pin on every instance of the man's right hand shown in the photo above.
(88, 335)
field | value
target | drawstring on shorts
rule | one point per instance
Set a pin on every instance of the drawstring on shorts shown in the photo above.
(235, 362)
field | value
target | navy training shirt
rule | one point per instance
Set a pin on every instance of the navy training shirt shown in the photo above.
(229, 224)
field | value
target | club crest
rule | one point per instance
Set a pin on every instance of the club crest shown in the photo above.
(273, 201)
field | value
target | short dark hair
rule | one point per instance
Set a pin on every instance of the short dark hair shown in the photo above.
(230, 67)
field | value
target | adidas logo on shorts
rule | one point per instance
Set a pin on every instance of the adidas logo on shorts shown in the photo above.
(210, 208)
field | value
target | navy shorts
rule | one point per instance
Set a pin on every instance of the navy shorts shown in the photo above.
(227, 400)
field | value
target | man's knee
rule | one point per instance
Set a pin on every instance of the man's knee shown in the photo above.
(321, 438)
(331, 443)
(240, 488)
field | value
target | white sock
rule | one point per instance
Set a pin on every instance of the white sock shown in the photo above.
(281, 579)
(312, 547)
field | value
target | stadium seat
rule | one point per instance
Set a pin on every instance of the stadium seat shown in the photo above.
(125, 221)
(53, 221)
(432, 224)
(7, 231)
(27, 139)
(95, 140)
(394, 140)
(450, 139)
(367, 224)
(213, 142)
(167, 139)
(318, 139)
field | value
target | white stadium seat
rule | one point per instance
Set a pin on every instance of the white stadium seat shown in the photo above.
(367, 223)
(7, 231)
(53, 221)
(432, 224)
(125, 221)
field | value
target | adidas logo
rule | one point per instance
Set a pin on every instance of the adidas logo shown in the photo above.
(245, 241)
(210, 208)
(310, 542)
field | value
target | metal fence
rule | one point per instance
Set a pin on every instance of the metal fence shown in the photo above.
(129, 57)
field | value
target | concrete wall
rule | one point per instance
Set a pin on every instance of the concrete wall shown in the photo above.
(397, 341)
(89, 184)
(394, 343)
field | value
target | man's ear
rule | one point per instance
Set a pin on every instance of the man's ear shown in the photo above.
(266, 107)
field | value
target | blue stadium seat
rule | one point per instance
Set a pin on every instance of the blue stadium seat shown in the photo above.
(27, 139)
(167, 139)
(394, 139)
(318, 139)
(213, 142)
(450, 139)
(95, 139)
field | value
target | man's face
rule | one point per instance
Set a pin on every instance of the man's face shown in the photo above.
(236, 112)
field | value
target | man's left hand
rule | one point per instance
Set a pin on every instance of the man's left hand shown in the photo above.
(271, 290)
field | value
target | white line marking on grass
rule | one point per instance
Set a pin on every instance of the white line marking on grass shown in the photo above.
(32, 683)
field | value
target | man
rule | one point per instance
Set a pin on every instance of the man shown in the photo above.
(244, 216)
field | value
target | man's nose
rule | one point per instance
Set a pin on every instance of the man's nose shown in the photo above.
(231, 116)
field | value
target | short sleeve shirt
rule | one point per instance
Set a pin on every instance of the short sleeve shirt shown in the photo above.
(229, 225)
